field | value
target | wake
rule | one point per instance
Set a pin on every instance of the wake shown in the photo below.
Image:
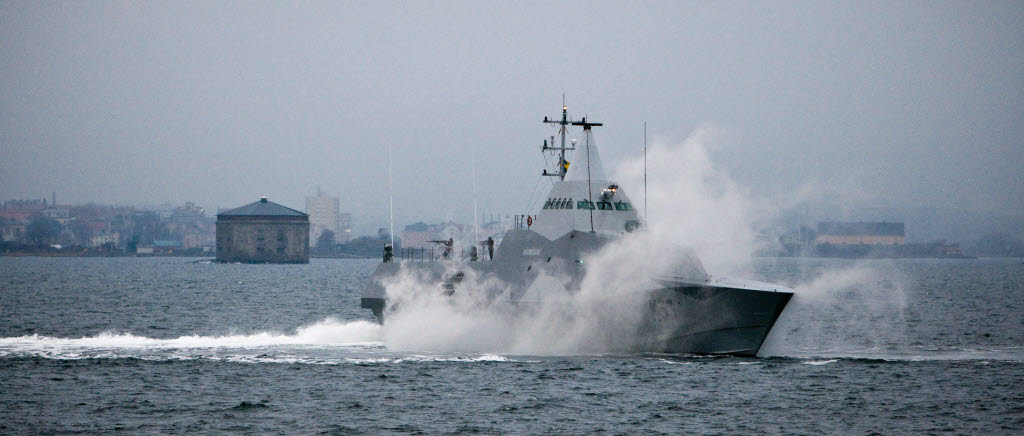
(328, 342)
(324, 335)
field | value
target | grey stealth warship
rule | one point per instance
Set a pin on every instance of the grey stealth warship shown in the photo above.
(686, 311)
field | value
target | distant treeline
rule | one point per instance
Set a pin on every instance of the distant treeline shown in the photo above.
(995, 245)
(9, 248)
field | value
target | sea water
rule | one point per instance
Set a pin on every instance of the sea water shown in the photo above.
(168, 345)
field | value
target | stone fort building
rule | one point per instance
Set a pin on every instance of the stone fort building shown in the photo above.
(263, 232)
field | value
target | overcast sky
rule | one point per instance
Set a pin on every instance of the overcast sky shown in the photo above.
(904, 104)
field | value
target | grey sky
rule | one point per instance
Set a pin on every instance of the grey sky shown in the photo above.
(904, 104)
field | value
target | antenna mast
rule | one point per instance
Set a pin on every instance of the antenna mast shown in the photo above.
(391, 201)
(476, 220)
(590, 188)
(563, 165)
(645, 170)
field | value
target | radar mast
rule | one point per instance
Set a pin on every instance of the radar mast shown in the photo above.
(563, 164)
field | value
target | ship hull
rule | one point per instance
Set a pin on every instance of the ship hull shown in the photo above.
(678, 317)
(709, 319)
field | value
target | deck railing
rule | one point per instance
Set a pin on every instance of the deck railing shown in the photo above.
(433, 254)
(523, 222)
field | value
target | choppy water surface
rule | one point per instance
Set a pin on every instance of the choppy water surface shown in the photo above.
(166, 345)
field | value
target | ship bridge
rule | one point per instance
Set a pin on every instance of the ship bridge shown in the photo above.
(586, 199)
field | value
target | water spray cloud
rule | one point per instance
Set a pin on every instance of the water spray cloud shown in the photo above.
(695, 204)
(692, 203)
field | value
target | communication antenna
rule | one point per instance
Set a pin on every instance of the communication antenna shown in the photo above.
(391, 200)
(645, 170)
(476, 220)
(590, 188)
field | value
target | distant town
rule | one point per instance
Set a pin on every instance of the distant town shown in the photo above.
(43, 227)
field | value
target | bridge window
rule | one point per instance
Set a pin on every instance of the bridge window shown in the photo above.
(604, 205)
(622, 205)
(585, 204)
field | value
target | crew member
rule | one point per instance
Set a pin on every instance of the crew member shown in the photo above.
(448, 248)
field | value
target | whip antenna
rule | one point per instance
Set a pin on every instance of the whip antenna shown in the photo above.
(391, 201)
(590, 188)
(476, 221)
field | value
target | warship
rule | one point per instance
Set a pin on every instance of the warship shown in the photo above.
(681, 310)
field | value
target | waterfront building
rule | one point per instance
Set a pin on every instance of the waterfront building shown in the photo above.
(102, 239)
(324, 214)
(861, 233)
(263, 232)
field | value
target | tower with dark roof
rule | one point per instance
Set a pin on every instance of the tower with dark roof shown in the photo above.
(263, 232)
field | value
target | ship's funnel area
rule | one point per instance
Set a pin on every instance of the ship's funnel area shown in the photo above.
(586, 149)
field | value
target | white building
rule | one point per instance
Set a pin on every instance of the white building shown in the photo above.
(324, 214)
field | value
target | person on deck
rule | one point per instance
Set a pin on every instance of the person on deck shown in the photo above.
(448, 245)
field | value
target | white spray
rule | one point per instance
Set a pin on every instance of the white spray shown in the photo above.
(692, 203)
(844, 311)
